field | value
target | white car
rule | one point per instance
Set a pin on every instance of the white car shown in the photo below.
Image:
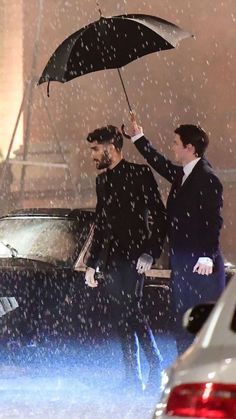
(202, 382)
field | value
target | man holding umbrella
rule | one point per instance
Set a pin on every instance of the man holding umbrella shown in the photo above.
(125, 245)
(193, 221)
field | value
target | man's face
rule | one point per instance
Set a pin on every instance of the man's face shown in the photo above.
(179, 150)
(100, 154)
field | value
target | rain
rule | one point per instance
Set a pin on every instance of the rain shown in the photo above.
(59, 352)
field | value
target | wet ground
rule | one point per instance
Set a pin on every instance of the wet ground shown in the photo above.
(75, 381)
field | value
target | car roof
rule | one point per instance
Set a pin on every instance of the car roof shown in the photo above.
(51, 212)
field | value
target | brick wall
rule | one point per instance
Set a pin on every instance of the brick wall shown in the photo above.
(11, 70)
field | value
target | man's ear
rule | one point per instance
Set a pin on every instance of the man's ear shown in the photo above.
(191, 148)
(110, 147)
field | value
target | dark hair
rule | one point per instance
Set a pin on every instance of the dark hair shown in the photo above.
(195, 135)
(108, 134)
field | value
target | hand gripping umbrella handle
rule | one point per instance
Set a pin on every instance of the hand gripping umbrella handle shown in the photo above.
(132, 118)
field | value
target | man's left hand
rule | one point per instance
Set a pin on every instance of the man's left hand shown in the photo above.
(90, 278)
(203, 269)
(144, 263)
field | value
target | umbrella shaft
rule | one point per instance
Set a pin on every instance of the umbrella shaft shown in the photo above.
(126, 96)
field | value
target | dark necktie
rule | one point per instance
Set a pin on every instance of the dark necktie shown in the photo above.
(179, 178)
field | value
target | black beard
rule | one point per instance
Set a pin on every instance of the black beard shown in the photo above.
(105, 161)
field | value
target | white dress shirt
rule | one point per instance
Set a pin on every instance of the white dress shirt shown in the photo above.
(188, 168)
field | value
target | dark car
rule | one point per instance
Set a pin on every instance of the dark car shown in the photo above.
(41, 265)
(42, 262)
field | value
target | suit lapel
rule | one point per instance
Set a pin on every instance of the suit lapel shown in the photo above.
(187, 185)
(188, 182)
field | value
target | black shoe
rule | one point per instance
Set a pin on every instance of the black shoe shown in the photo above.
(137, 383)
(154, 382)
(132, 386)
(129, 388)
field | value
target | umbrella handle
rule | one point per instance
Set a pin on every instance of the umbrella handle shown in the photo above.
(125, 133)
(132, 118)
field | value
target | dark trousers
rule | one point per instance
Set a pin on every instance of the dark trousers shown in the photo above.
(124, 289)
(189, 289)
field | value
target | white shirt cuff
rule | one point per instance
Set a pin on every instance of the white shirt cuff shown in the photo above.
(136, 137)
(205, 261)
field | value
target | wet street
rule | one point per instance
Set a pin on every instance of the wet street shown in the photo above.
(79, 381)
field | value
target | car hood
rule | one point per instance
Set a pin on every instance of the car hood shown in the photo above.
(18, 275)
(18, 262)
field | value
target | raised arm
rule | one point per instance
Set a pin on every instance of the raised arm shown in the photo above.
(157, 161)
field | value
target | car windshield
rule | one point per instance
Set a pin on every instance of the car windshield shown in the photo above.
(46, 239)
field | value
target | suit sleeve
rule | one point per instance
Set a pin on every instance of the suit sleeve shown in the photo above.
(98, 234)
(157, 211)
(211, 203)
(156, 160)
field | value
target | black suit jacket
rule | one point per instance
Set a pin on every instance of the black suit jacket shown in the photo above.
(194, 211)
(126, 196)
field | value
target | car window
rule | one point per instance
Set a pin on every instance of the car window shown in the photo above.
(41, 238)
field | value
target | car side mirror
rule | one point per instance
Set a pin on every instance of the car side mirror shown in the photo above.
(195, 317)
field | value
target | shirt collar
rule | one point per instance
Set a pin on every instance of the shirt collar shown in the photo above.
(189, 166)
(117, 168)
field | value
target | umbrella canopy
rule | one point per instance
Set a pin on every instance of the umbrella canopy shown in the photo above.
(110, 42)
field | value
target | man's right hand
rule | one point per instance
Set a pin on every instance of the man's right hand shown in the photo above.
(90, 278)
(135, 128)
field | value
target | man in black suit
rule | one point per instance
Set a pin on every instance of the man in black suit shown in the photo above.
(125, 244)
(193, 221)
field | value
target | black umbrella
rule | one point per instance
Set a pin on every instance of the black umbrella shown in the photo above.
(110, 42)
